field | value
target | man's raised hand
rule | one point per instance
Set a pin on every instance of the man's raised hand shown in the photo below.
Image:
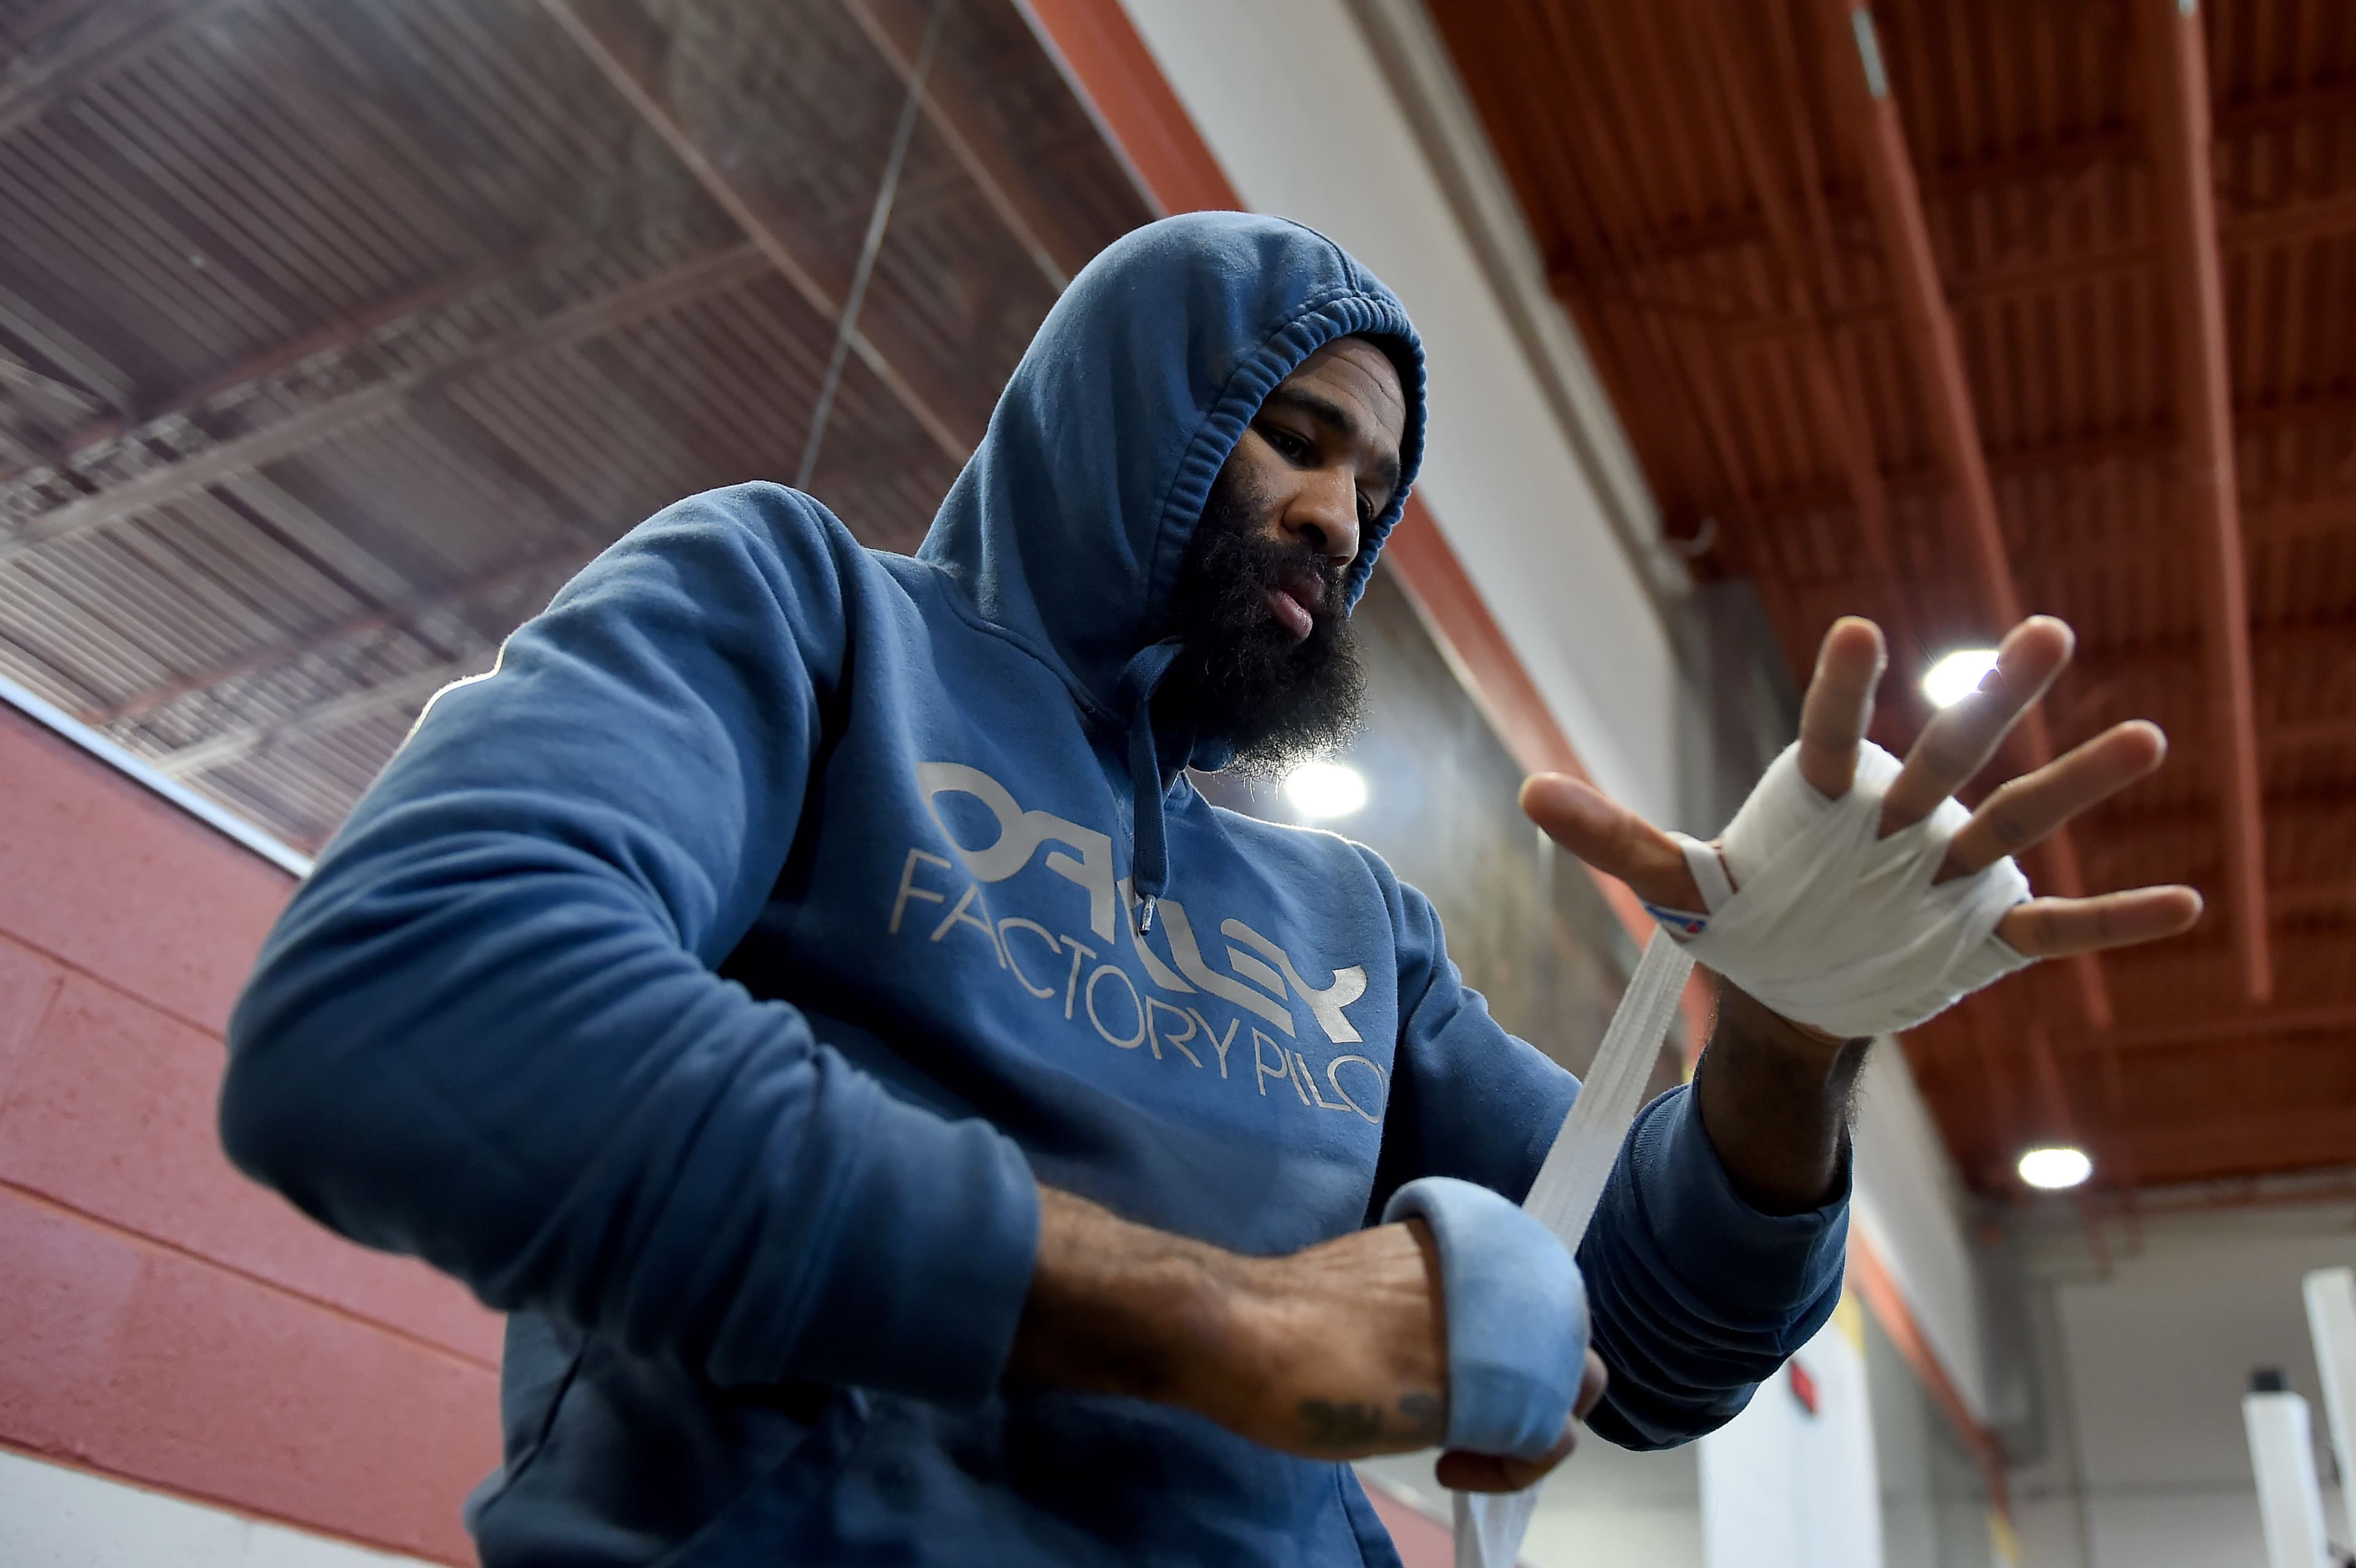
(1956, 744)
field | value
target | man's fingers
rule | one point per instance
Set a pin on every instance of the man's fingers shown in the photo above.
(1961, 738)
(1462, 1470)
(1593, 1380)
(1839, 704)
(1612, 838)
(2056, 928)
(2032, 805)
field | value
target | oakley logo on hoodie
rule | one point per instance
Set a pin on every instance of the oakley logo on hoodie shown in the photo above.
(1262, 981)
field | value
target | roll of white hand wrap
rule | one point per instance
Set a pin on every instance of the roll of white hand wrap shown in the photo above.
(1831, 926)
(1563, 1198)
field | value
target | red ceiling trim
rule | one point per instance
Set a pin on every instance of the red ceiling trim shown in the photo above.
(1117, 76)
(2176, 78)
(1879, 1289)
(1862, 103)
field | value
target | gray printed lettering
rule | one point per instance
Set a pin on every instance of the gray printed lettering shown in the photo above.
(1217, 1044)
(1227, 987)
(1072, 986)
(1088, 995)
(959, 916)
(1020, 834)
(1334, 1076)
(1017, 923)
(1348, 985)
(1176, 1042)
(908, 889)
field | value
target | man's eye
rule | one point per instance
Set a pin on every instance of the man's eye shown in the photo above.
(1366, 511)
(1286, 444)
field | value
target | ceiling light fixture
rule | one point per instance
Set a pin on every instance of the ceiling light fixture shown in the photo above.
(2053, 1169)
(1958, 674)
(1325, 789)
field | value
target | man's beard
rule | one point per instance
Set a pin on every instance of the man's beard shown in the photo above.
(1243, 677)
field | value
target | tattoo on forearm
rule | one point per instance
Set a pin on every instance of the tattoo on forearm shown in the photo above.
(1331, 1425)
(1352, 1424)
(1423, 1413)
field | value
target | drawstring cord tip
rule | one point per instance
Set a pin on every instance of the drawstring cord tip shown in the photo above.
(1145, 915)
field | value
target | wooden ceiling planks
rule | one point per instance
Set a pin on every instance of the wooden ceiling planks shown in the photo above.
(1725, 217)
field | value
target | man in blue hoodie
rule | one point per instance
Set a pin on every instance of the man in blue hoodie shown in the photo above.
(903, 1120)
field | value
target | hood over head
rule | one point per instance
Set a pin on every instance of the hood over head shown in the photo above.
(1069, 520)
(1068, 523)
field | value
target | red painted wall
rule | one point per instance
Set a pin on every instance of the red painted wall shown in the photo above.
(162, 1318)
(1422, 1541)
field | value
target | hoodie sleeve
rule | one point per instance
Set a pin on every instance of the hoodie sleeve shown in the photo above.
(1696, 1296)
(488, 1030)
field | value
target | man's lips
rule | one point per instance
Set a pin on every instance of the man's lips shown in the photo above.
(1294, 602)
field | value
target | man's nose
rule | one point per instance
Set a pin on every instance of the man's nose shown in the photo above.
(1324, 516)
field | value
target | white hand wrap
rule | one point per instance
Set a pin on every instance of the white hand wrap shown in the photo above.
(1839, 929)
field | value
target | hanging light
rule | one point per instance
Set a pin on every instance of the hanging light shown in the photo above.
(1957, 676)
(2055, 1167)
(1325, 789)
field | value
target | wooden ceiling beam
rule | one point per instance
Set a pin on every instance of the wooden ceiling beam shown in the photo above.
(2333, 729)
(2273, 518)
(2262, 528)
(2290, 222)
(2245, 1027)
(1863, 108)
(1803, 258)
(2271, 1141)
(1878, 138)
(1730, 234)
(2174, 58)
(2315, 895)
(2206, 1150)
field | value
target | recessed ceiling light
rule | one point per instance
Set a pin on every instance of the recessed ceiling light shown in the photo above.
(2055, 1167)
(1325, 789)
(1958, 674)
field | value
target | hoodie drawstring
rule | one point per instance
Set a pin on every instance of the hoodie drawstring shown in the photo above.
(1150, 876)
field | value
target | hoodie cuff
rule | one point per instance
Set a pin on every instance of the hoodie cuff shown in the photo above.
(930, 1253)
(1724, 1247)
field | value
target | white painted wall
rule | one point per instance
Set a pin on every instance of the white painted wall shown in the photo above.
(1785, 1486)
(1909, 1205)
(51, 1516)
(1295, 105)
(2144, 1374)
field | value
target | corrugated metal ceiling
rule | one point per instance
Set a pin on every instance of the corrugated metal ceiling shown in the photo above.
(334, 339)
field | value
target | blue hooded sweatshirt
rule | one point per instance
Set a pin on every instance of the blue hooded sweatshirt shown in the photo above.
(712, 984)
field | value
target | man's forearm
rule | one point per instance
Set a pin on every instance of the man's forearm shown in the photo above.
(1339, 1350)
(1121, 1308)
(1775, 1098)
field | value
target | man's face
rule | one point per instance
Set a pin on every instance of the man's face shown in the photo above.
(1270, 665)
